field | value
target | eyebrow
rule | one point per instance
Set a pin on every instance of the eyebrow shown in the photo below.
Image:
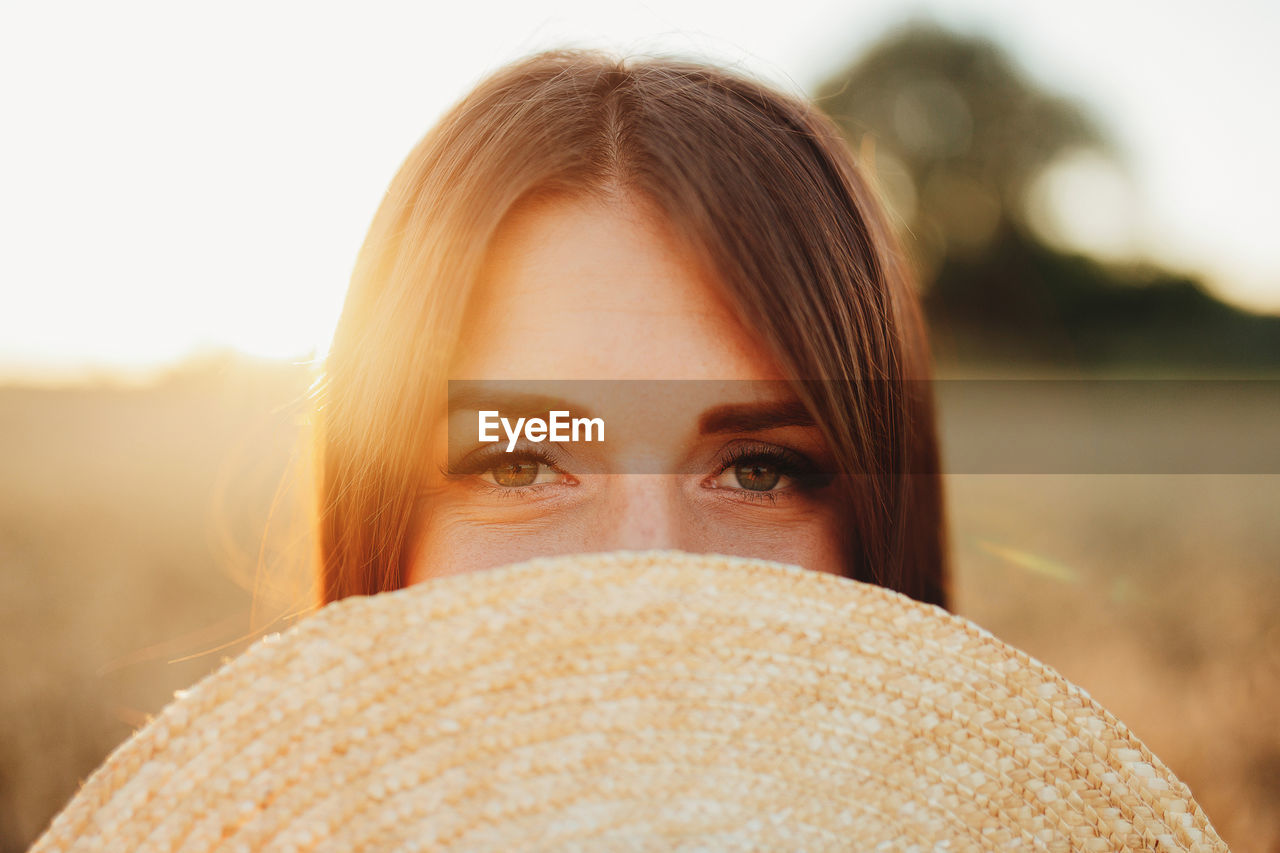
(755, 417)
(517, 404)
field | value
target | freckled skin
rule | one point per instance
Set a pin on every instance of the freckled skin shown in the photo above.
(584, 289)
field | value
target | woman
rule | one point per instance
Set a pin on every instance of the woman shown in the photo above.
(581, 220)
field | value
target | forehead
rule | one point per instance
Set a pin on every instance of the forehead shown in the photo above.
(592, 289)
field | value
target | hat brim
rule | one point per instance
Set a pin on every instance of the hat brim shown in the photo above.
(646, 700)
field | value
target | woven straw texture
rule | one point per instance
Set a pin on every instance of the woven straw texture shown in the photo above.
(634, 701)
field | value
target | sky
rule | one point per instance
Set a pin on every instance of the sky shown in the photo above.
(181, 177)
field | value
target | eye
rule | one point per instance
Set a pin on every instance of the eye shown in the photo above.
(498, 471)
(754, 475)
(755, 472)
(517, 473)
(759, 470)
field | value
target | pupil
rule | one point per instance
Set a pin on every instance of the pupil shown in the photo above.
(757, 476)
(515, 474)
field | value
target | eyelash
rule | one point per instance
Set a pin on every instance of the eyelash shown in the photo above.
(805, 475)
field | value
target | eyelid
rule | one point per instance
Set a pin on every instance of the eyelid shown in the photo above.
(736, 451)
(487, 456)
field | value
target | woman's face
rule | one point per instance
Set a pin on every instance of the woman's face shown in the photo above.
(709, 453)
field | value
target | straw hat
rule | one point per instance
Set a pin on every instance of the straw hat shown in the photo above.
(649, 701)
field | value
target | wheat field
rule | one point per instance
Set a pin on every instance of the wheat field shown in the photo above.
(132, 533)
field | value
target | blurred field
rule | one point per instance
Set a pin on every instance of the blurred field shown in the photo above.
(131, 521)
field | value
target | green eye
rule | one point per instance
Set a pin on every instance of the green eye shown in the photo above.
(757, 476)
(513, 475)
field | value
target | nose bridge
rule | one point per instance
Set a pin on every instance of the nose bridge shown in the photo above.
(643, 513)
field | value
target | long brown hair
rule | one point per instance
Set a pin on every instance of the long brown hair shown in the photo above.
(762, 186)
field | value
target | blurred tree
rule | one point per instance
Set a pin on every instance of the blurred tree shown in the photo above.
(955, 136)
